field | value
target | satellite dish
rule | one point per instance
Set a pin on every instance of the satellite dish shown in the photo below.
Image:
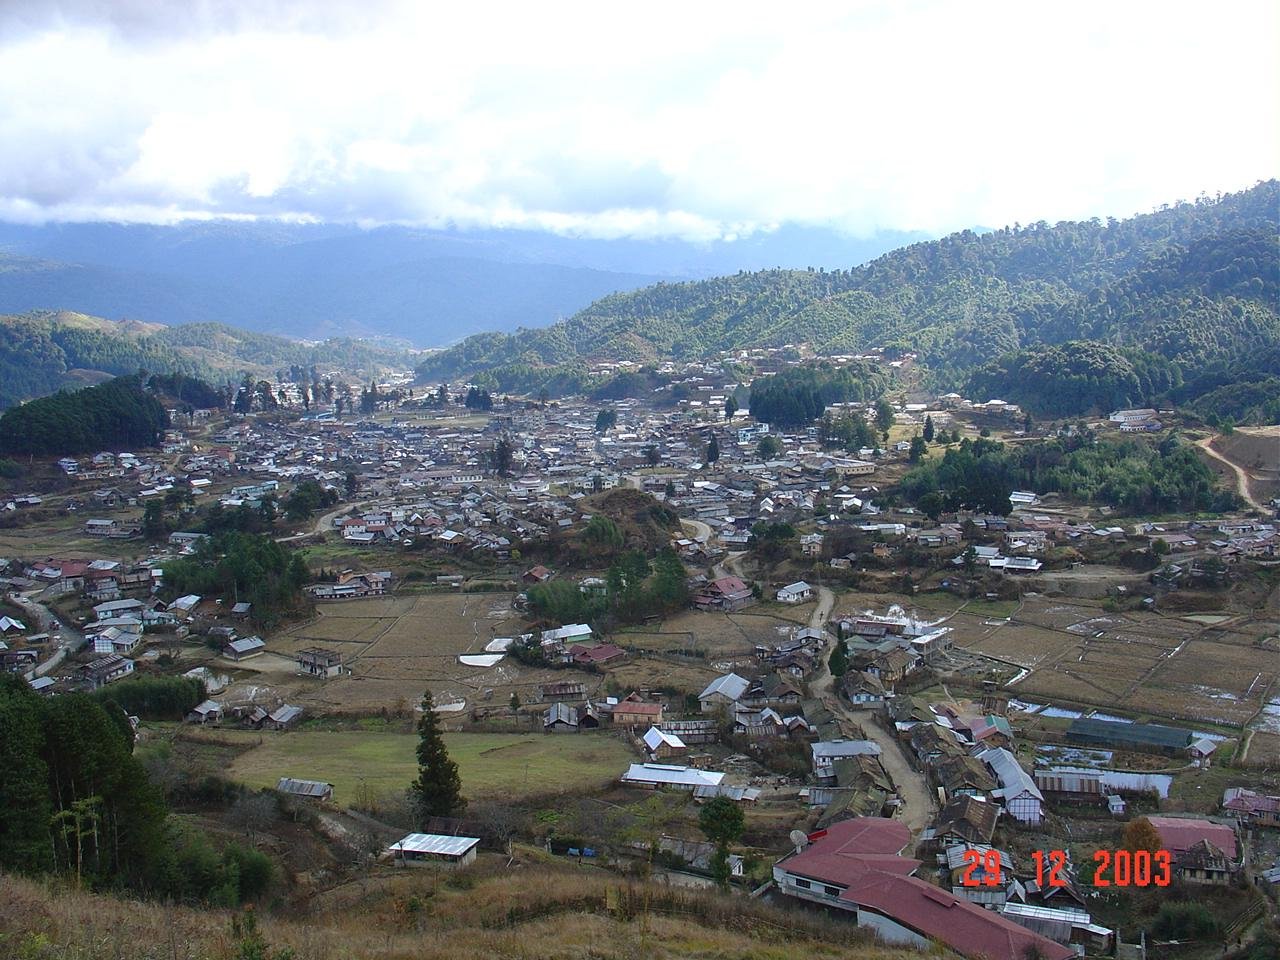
(799, 838)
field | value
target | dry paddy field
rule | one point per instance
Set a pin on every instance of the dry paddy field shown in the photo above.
(398, 646)
(1165, 667)
(717, 636)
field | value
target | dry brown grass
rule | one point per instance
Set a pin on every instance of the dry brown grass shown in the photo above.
(532, 912)
(1264, 749)
(647, 673)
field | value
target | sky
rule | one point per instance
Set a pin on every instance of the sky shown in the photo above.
(697, 120)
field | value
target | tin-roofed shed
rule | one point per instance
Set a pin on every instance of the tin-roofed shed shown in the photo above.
(417, 849)
(307, 789)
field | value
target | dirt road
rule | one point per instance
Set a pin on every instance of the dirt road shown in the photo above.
(729, 566)
(1242, 478)
(325, 523)
(701, 531)
(918, 805)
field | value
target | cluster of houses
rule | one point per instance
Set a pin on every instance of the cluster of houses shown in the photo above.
(885, 649)
(352, 585)
(254, 716)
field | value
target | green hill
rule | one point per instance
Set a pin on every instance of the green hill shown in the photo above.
(46, 351)
(1195, 283)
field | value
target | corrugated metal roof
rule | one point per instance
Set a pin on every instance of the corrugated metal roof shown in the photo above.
(725, 790)
(660, 773)
(730, 685)
(286, 714)
(434, 843)
(304, 788)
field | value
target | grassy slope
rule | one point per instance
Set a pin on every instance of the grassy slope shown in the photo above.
(491, 764)
(464, 918)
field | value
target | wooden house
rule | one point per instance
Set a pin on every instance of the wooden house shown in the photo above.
(632, 711)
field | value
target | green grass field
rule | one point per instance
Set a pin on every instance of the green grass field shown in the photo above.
(491, 764)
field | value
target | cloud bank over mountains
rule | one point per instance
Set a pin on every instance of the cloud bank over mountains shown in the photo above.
(697, 121)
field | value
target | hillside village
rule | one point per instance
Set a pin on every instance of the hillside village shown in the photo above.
(881, 691)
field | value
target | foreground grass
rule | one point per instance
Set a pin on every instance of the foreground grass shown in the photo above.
(491, 764)
(531, 912)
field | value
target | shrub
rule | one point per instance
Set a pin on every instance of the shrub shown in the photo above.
(1184, 920)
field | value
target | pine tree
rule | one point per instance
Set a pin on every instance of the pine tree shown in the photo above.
(713, 450)
(839, 662)
(928, 429)
(24, 788)
(438, 790)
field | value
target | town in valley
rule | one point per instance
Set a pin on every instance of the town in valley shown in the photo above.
(627, 609)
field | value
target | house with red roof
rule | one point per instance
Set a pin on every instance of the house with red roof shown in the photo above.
(601, 653)
(1180, 834)
(1203, 851)
(857, 866)
(1251, 807)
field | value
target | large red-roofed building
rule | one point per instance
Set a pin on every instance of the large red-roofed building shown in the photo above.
(857, 865)
(1180, 834)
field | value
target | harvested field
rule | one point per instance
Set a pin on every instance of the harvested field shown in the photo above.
(1024, 645)
(1264, 750)
(1164, 667)
(717, 637)
(398, 646)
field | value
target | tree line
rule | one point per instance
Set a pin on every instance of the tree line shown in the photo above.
(800, 395)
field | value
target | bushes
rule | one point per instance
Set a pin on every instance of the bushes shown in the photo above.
(236, 875)
(154, 698)
(1184, 920)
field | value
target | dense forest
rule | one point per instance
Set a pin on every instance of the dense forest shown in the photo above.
(114, 415)
(1134, 475)
(799, 395)
(1079, 376)
(1242, 390)
(1194, 283)
(43, 352)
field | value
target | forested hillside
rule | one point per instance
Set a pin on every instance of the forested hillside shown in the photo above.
(114, 415)
(45, 351)
(1194, 283)
(1059, 380)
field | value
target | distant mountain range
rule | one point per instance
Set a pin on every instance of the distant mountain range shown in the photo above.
(425, 287)
(43, 352)
(1195, 283)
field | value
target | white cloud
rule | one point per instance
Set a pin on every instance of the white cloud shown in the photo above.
(691, 119)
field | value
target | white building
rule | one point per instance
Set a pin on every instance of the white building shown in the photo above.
(797, 592)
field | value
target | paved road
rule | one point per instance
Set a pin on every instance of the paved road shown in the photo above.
(918, 804)
(1242, 478)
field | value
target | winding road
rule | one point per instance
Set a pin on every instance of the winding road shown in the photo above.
(918, 804)
(1242, 478)
(69, 639)
(325, 523)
